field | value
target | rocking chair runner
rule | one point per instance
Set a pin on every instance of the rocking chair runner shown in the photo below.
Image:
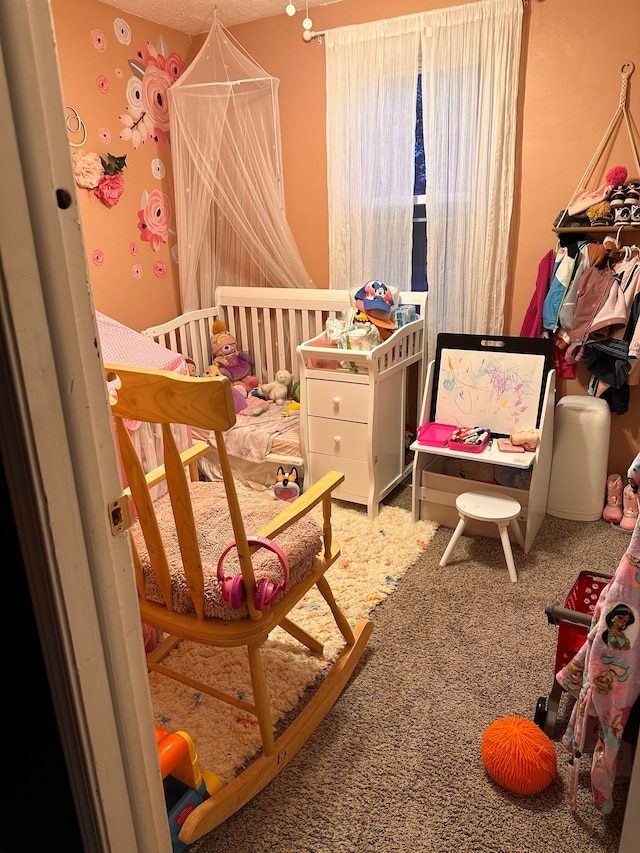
(177, 541)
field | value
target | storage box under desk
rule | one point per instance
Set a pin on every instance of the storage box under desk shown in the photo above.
(438, 491)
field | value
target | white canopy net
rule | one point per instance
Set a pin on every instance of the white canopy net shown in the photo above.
(229, 195)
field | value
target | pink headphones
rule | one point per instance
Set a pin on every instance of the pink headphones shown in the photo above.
(233, 592)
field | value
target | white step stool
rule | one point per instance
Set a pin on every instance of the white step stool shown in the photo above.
(486, 506)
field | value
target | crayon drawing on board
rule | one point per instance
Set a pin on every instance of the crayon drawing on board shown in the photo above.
(497, 390)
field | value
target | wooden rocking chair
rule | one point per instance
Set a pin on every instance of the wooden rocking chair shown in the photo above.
(190, 602)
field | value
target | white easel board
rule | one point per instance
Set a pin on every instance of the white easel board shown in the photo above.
(490, 381)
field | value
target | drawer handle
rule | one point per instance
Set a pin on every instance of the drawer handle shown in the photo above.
(336, 439)
(336, 401)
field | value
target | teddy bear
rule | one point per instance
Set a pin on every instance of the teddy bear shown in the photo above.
(278, 390)
(229, 361)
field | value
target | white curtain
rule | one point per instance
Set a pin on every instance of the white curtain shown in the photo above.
(372, 71)
(470, 63)
(470, 66)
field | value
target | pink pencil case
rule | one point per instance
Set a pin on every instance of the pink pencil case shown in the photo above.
(435, 434)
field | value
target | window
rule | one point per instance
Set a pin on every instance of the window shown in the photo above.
(419, 253)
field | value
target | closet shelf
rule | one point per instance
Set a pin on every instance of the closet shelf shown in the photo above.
(598, 229)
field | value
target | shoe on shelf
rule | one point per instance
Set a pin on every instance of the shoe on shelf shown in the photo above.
(613, 508)
(635, 214)
(632, 196)
(629, 509)
(623, 215)
(617, 197)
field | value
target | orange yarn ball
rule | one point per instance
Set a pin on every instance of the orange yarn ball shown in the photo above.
(518, 755)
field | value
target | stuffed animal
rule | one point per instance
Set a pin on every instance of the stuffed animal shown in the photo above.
(238, 392)
(291, 408)
(278, 390)
(233, 363)
(212, 370)
(286, 487)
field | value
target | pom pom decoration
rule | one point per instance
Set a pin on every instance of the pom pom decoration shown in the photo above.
(617, 176)
(518, 755)
(599, 211)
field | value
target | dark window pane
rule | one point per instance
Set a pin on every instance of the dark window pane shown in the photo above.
(420, 181)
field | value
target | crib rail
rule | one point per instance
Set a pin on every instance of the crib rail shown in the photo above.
(271, 322)
(189, 334)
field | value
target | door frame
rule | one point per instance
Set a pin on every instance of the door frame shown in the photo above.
(60, 460)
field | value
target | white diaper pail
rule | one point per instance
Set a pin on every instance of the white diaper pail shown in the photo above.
(577, 488)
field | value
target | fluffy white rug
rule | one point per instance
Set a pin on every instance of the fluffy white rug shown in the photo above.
(375, 555)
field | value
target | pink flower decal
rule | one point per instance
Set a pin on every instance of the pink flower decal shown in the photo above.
(175, 66)
(133, 248)
(154, 219)
(147, 112)
(97, 257)
(98, 40)
(159, 269)
(103, 84)
(136, 271)
(155, 83)
(110, 189)
(104, 135)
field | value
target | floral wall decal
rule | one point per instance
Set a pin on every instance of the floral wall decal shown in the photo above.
(147, 113)
(109, 63)
(100, 174)
(122, 31)
(98, 40)
(154, 219)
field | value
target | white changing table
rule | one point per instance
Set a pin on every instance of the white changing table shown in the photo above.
(355, 409)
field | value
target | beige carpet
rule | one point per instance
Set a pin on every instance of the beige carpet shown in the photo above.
(396, 765)
(375, 555)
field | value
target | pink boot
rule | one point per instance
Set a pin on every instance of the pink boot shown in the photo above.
(630, 509)
(613, 509)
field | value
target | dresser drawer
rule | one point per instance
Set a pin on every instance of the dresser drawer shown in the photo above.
(355, 486)
(341, 439)
(347, 401)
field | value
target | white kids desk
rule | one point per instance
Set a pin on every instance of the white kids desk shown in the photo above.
(474, 357)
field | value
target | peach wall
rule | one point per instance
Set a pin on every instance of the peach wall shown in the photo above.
(572, 53)
(570, 89)
(133, 280)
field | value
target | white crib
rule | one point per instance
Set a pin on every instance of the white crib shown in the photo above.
(269, 323)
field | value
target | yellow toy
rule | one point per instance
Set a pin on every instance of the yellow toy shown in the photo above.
(212, 370)
(291, 407)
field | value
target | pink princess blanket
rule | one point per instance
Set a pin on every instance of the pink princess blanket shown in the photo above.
(605, 678)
